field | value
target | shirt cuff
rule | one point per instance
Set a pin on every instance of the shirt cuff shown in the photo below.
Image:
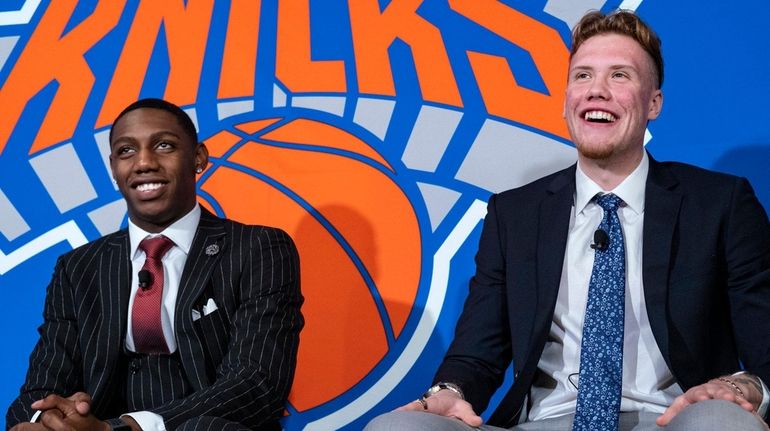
(36, 416)
(762, 409)
(149, 421)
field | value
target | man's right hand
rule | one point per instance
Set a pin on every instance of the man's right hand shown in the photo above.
(446, 403)
(71, 413)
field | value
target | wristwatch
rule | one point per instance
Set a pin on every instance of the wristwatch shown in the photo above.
(440, 387)
(118, 424)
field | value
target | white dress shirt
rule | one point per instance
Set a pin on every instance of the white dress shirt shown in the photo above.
(648, 384)
(181, 232)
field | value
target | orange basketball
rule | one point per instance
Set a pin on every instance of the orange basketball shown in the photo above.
(356, 232)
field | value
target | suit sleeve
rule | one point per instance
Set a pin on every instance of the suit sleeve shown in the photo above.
(55, 362)
(481, 349)
(747, 250)
(253, 380)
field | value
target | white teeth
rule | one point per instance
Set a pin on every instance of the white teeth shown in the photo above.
(600, 115)
(148, 186)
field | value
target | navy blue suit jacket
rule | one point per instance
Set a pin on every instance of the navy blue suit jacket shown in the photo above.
(706, 274)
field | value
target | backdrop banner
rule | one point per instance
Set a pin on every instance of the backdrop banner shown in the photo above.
(373, 131)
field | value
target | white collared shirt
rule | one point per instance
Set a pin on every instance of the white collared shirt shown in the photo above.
(181, 232)
(648, 384)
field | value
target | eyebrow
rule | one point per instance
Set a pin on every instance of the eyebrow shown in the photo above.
(153, 137)
(613, 67)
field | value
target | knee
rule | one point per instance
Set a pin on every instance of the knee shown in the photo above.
(397, 421)
(715, 415)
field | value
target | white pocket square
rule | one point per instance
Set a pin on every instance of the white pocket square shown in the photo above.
(210, 307)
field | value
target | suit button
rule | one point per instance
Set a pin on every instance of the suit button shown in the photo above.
(135, 366)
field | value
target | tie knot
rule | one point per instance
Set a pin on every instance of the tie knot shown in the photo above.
(609, 202)
(156, 247)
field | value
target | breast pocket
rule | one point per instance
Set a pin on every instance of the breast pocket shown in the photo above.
(214, 329)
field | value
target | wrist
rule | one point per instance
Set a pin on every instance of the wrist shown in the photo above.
(132, 423)
(745, 386)
(443, 387)
(125, 423)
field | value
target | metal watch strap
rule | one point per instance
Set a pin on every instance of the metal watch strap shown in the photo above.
(118, 424)
(440, 387)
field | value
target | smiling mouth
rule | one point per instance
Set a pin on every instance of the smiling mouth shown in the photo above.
(599, 117)
(148, 187)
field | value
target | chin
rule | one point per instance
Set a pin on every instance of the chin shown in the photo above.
(596, 152)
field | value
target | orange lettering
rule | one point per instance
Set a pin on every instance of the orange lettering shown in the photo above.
(374, 32)
(187, 29)
(52, 56)
(502, 95)
(239, 62)
(293, 63)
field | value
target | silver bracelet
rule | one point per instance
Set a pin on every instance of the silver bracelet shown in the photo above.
(440, 387)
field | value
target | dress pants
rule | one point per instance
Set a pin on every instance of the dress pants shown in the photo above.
(711, 415)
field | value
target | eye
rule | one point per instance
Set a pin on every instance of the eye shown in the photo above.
(582, 75)
(164, 145)
(619, 74)
(124, 151)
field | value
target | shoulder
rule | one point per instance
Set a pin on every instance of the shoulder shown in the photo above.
(249, 232)
(116, 241)
(692, 180)
(533, 193)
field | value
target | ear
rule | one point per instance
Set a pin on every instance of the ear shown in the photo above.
(112, 167)
(656, 104)
(201, 155)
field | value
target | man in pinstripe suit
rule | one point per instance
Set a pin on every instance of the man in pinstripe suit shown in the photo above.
(229, 311)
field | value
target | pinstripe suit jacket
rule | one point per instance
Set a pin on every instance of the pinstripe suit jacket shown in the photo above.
(239, 359)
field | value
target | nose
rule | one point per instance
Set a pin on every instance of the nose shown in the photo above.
(146, 160)
(598, 90)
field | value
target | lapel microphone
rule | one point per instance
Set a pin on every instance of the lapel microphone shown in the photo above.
(601, 240)
(145, 279)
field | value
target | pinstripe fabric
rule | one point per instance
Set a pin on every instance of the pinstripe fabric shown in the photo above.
(239, 360)
(153, 380)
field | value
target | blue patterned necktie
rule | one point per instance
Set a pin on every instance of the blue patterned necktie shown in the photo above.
(601, 356)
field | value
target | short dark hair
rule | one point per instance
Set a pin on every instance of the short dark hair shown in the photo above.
(184, 120)
(619, 22)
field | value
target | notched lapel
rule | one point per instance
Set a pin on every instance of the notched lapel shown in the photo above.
(662, 205)
(114, 289)
(206, 251)
(553, 229)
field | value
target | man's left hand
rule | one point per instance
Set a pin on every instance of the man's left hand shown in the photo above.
(70, 413)
(715, 390)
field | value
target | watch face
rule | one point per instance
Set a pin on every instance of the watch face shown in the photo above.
(118, 425)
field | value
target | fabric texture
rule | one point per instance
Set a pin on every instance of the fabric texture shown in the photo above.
(601, 354)
(145, 318)
(706, 272)
(239, 360)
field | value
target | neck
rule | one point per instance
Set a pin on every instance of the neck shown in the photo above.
(609, 173)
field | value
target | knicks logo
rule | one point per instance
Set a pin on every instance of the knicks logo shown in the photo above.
(374, 143)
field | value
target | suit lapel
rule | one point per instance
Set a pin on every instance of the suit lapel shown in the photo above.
(553, 229)
(207, 248)
(114, 289)
(662, 204)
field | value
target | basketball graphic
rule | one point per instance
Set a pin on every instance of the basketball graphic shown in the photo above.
(268, 171)
(373, 132)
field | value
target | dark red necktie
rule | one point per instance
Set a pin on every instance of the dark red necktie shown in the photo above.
(145, 318)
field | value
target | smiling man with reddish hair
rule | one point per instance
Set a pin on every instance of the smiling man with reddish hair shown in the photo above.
(625, 293)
